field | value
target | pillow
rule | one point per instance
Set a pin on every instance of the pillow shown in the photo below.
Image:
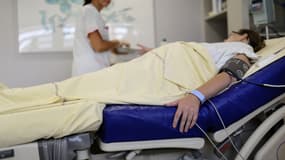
(274, 50)
(272, 45)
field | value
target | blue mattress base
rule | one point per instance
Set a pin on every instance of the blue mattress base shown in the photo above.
(132, 122)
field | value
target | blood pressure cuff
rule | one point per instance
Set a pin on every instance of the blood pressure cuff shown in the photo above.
(235, 67)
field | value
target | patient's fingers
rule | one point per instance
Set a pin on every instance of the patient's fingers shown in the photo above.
(189, 120)
(187, 112)
(176, 117)
(195, 117)
(183, 121)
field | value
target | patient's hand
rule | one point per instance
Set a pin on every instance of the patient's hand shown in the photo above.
(187, 112)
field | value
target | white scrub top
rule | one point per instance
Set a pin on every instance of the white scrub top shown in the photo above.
(85, 58)
(223, 51)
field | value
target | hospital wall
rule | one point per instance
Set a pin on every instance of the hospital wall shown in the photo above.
(174, 20)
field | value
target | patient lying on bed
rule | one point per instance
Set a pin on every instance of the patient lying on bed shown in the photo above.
(240, 45)
(178, 74)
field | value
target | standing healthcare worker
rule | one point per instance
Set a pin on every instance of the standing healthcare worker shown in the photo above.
(92, 46)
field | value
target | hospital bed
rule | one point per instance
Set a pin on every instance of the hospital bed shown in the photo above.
(133, 128)
(137, 127)
(66, 148)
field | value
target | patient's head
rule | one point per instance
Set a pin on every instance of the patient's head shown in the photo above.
(247, 36)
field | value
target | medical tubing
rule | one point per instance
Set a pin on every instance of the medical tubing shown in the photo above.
(264, 84)
(224, 126)
(212, 143)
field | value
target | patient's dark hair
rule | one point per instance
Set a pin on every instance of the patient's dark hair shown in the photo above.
(255, 40)
(87, 2)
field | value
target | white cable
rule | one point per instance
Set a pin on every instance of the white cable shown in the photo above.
(268, 85)
(224, 126)
(213, 144)
(264, 84)
(274, 86)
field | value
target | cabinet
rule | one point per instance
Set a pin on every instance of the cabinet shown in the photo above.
(233, 17)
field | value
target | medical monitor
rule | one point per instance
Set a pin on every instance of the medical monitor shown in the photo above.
(263, 11)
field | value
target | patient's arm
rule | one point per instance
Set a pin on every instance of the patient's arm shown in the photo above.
(188, 106)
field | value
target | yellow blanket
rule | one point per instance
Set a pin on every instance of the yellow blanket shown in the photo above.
(76, 104)
(2, 86)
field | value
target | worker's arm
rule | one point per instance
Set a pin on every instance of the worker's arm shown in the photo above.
(101, 45)
(188, 106)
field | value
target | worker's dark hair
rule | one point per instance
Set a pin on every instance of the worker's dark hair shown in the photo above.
(255, 40)
(87, 2)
